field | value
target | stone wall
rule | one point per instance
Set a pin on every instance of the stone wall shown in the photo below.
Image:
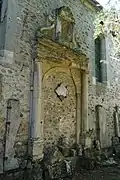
(59, 117)
(15, 78)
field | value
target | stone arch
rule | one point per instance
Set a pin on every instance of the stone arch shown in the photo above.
(63, 69)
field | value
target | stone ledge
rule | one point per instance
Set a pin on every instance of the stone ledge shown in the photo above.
(61, 54)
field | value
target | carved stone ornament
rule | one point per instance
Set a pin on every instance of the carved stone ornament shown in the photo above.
(61, 91)
(60, 27)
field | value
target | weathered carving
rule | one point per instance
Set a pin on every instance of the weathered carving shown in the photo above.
(49, 29)
(51, 20)
(60, 27)
(64, 26)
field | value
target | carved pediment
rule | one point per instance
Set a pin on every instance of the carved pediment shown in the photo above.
(60, 27)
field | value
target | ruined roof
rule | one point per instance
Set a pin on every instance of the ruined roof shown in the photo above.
(96, 4)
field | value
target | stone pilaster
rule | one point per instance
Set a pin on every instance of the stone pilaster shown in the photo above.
(37, 125)
(78, 116)
(84, 108)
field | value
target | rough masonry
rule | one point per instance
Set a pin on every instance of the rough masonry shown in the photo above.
(21, 48)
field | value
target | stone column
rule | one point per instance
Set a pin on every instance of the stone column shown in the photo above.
(116, 122)
(84, 108)
(37, 125)
(77, 83)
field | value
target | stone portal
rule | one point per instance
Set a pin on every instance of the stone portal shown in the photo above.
(60, 100)
(60, 85)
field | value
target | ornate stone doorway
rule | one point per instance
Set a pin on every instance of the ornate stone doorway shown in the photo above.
(60, 96)
(60, 85)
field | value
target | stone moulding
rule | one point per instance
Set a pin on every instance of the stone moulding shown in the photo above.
(49, 50)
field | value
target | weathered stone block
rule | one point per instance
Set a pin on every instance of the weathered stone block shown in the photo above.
(115, 141)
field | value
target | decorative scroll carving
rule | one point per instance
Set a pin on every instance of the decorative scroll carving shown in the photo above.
(49, 29)
(51, 20)
(60, 27)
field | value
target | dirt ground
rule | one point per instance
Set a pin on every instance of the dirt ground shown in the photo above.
(106, 173)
